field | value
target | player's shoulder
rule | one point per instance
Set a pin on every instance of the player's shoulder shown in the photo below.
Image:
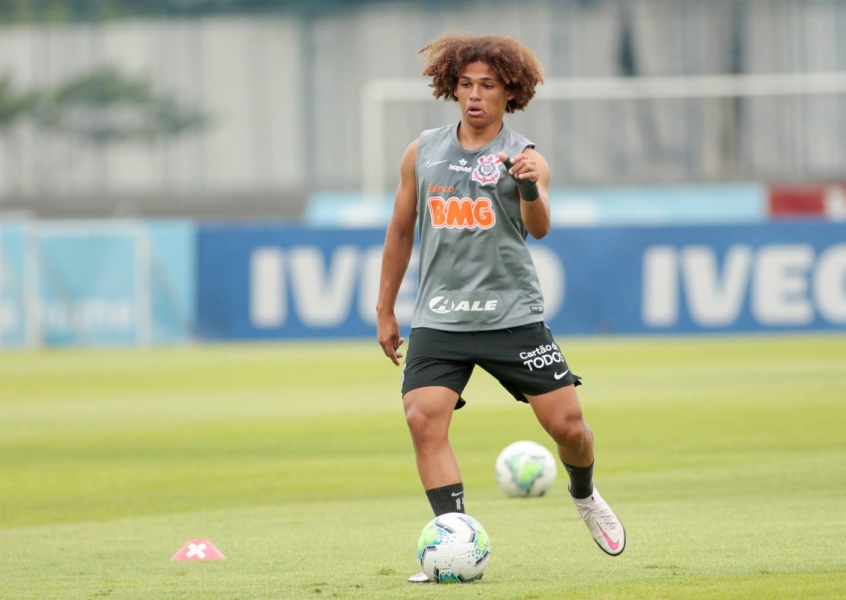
(437, 133)
(412, 147)
(409, 157)
(516, 140)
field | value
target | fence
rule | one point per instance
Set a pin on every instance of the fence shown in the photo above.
(284, 93)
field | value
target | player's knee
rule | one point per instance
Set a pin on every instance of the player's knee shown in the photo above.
(415, 419)
(569, 431)
(423, 426)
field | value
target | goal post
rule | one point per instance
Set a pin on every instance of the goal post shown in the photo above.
(378, 93)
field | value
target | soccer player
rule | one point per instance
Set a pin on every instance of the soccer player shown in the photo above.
(474, 190)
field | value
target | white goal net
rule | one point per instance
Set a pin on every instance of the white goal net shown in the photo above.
(613, 131)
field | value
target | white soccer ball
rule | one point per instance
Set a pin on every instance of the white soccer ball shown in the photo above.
(453, 548)
(525, 469)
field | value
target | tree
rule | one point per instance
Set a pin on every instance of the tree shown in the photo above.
(14, 108)
(96, 109)
(105, 107)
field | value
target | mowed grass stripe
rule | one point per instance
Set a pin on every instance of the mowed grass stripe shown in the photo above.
(678, 548)
(724, 456)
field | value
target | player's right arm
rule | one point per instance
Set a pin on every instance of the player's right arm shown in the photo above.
(399, 242)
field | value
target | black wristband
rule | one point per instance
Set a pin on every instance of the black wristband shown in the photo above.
(529, 191)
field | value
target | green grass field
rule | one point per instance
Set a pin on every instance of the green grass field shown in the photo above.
(724, 457)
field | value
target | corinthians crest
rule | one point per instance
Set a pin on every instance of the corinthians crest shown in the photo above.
(487, 171)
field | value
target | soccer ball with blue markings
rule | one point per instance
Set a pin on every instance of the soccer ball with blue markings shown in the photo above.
(453, 548)
(525, 469)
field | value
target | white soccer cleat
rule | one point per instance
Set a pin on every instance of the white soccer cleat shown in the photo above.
(419, 578)
(604, 526)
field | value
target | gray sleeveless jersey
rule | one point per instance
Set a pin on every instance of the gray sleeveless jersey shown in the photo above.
(475, 270)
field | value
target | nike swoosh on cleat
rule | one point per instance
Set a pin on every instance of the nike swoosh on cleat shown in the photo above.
(613, 545)
(560, 375)
(429, 163)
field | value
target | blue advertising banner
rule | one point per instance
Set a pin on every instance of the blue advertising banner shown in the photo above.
(173, 280)
(277, 281)
(97, 282)
(768, 277)
(89, 287)
(13, 300)
(289, 282)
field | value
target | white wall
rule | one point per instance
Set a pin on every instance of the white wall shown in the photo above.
(242, 72)
(270, 133)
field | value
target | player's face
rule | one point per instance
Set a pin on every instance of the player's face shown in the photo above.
(481, 95)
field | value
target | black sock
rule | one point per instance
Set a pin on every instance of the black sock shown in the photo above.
(449, 498)
(581, 481)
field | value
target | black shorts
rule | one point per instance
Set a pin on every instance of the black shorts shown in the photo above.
(525, 360)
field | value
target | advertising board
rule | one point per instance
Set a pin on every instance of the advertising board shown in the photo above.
(96, 282)
(264, 282)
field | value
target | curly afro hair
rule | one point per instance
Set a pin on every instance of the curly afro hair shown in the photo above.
(517, 67)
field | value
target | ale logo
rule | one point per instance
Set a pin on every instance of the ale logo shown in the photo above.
(461, 213)
(441, 305)
(444, 304)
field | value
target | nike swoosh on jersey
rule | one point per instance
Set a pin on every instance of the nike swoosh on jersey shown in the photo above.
(429, 163)
(560, 375)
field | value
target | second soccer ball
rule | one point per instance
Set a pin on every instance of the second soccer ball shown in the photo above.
(525, 469)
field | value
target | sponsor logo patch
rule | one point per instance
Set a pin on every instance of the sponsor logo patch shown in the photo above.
(461, 167)
(487, 171)
(461, 213)
(444, 304)
(542, 356)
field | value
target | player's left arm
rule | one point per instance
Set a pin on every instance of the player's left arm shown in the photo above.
(530, 171)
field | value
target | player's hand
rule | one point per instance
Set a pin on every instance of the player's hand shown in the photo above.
(520, 167)
(388, 336)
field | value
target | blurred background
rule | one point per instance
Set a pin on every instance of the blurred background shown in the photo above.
(176, 170)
